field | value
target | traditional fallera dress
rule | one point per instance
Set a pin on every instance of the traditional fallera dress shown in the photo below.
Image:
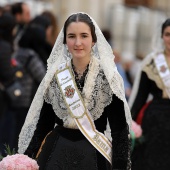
(66, 123)
(153, 153)
(66, 147)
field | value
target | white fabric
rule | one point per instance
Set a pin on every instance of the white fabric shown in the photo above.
(58, 55)
(164, 74)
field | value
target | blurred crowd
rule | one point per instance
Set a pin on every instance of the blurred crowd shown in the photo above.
(25, 45)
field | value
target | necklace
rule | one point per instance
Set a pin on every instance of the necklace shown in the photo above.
(79, 73)
(80, 76)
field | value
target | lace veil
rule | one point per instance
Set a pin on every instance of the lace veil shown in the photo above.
(102, 51)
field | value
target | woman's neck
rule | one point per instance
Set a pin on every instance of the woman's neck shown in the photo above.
(81, 64)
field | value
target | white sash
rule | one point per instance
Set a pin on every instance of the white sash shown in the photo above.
(79, 112)
(164, 71)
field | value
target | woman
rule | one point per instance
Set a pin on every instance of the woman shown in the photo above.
(154, 79)
(81, 90)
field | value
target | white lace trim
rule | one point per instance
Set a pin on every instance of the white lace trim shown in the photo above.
(151, 72)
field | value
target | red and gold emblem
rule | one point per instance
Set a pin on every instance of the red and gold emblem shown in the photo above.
(69, 91)
(163, 69)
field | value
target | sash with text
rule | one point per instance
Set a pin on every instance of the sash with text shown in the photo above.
(80, 113)
(164, 71)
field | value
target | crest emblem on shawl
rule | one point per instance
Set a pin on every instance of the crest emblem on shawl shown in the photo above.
(163, 69)
(69, 91)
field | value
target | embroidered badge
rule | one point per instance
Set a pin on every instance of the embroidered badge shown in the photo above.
(163, 69)
(69, 91)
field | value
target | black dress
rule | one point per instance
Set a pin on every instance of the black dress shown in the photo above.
(68, 149)
(153, 153)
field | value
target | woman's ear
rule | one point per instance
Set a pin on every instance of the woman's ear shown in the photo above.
(93, 44)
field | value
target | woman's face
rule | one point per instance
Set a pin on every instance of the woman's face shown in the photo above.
(166, 38)
(79, 39)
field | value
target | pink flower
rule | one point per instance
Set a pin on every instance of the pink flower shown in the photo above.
(18, 162)
(136, 129)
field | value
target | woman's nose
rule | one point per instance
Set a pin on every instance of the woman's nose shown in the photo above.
(78, 41)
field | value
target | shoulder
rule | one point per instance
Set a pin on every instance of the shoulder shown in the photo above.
(149, 60)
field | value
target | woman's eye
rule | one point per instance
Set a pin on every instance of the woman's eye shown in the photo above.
(167, 34)
(84, 36)
(71, 37)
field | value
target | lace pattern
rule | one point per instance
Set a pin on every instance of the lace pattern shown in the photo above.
(96, 94)
(149, 67)
(153, 74)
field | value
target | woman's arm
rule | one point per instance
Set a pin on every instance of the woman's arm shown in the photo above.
(119, 133)
(142, 95)
(45, 124)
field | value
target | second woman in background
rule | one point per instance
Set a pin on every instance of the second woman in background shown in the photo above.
(154, 79)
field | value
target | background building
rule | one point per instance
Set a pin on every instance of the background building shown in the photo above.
(132, 23)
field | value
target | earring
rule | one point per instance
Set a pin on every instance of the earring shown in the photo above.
(92, 51)
(67, 54)
(95, 52)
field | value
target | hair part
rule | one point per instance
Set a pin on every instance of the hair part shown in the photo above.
(80, 17)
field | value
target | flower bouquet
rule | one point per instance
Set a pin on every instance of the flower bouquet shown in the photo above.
(18, 162)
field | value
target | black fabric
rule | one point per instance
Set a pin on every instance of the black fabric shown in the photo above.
(119, 132)
(6, 73)
(33, 71)
(34, 37)
(70, 150)
(153, 153)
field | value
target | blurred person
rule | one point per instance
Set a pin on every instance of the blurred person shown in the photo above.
(53, 31)
(153, 78)
(29, 72)
(76, 137)
(134, 67)
(35, 37)
(7, 8)
(108, 36)
(122, 72)
(127, 63)
(1, 10)
(7, 74)
(21, 12)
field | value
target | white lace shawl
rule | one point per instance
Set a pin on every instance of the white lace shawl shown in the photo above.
(96, 94)
(104, 54)
(152, 74)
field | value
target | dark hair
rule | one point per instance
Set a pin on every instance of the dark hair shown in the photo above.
(80, 17)
(164, 25)
(42, 21)
(17, 8)
(7, 24)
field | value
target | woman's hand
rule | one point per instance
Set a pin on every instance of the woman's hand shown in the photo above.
(136, 129)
